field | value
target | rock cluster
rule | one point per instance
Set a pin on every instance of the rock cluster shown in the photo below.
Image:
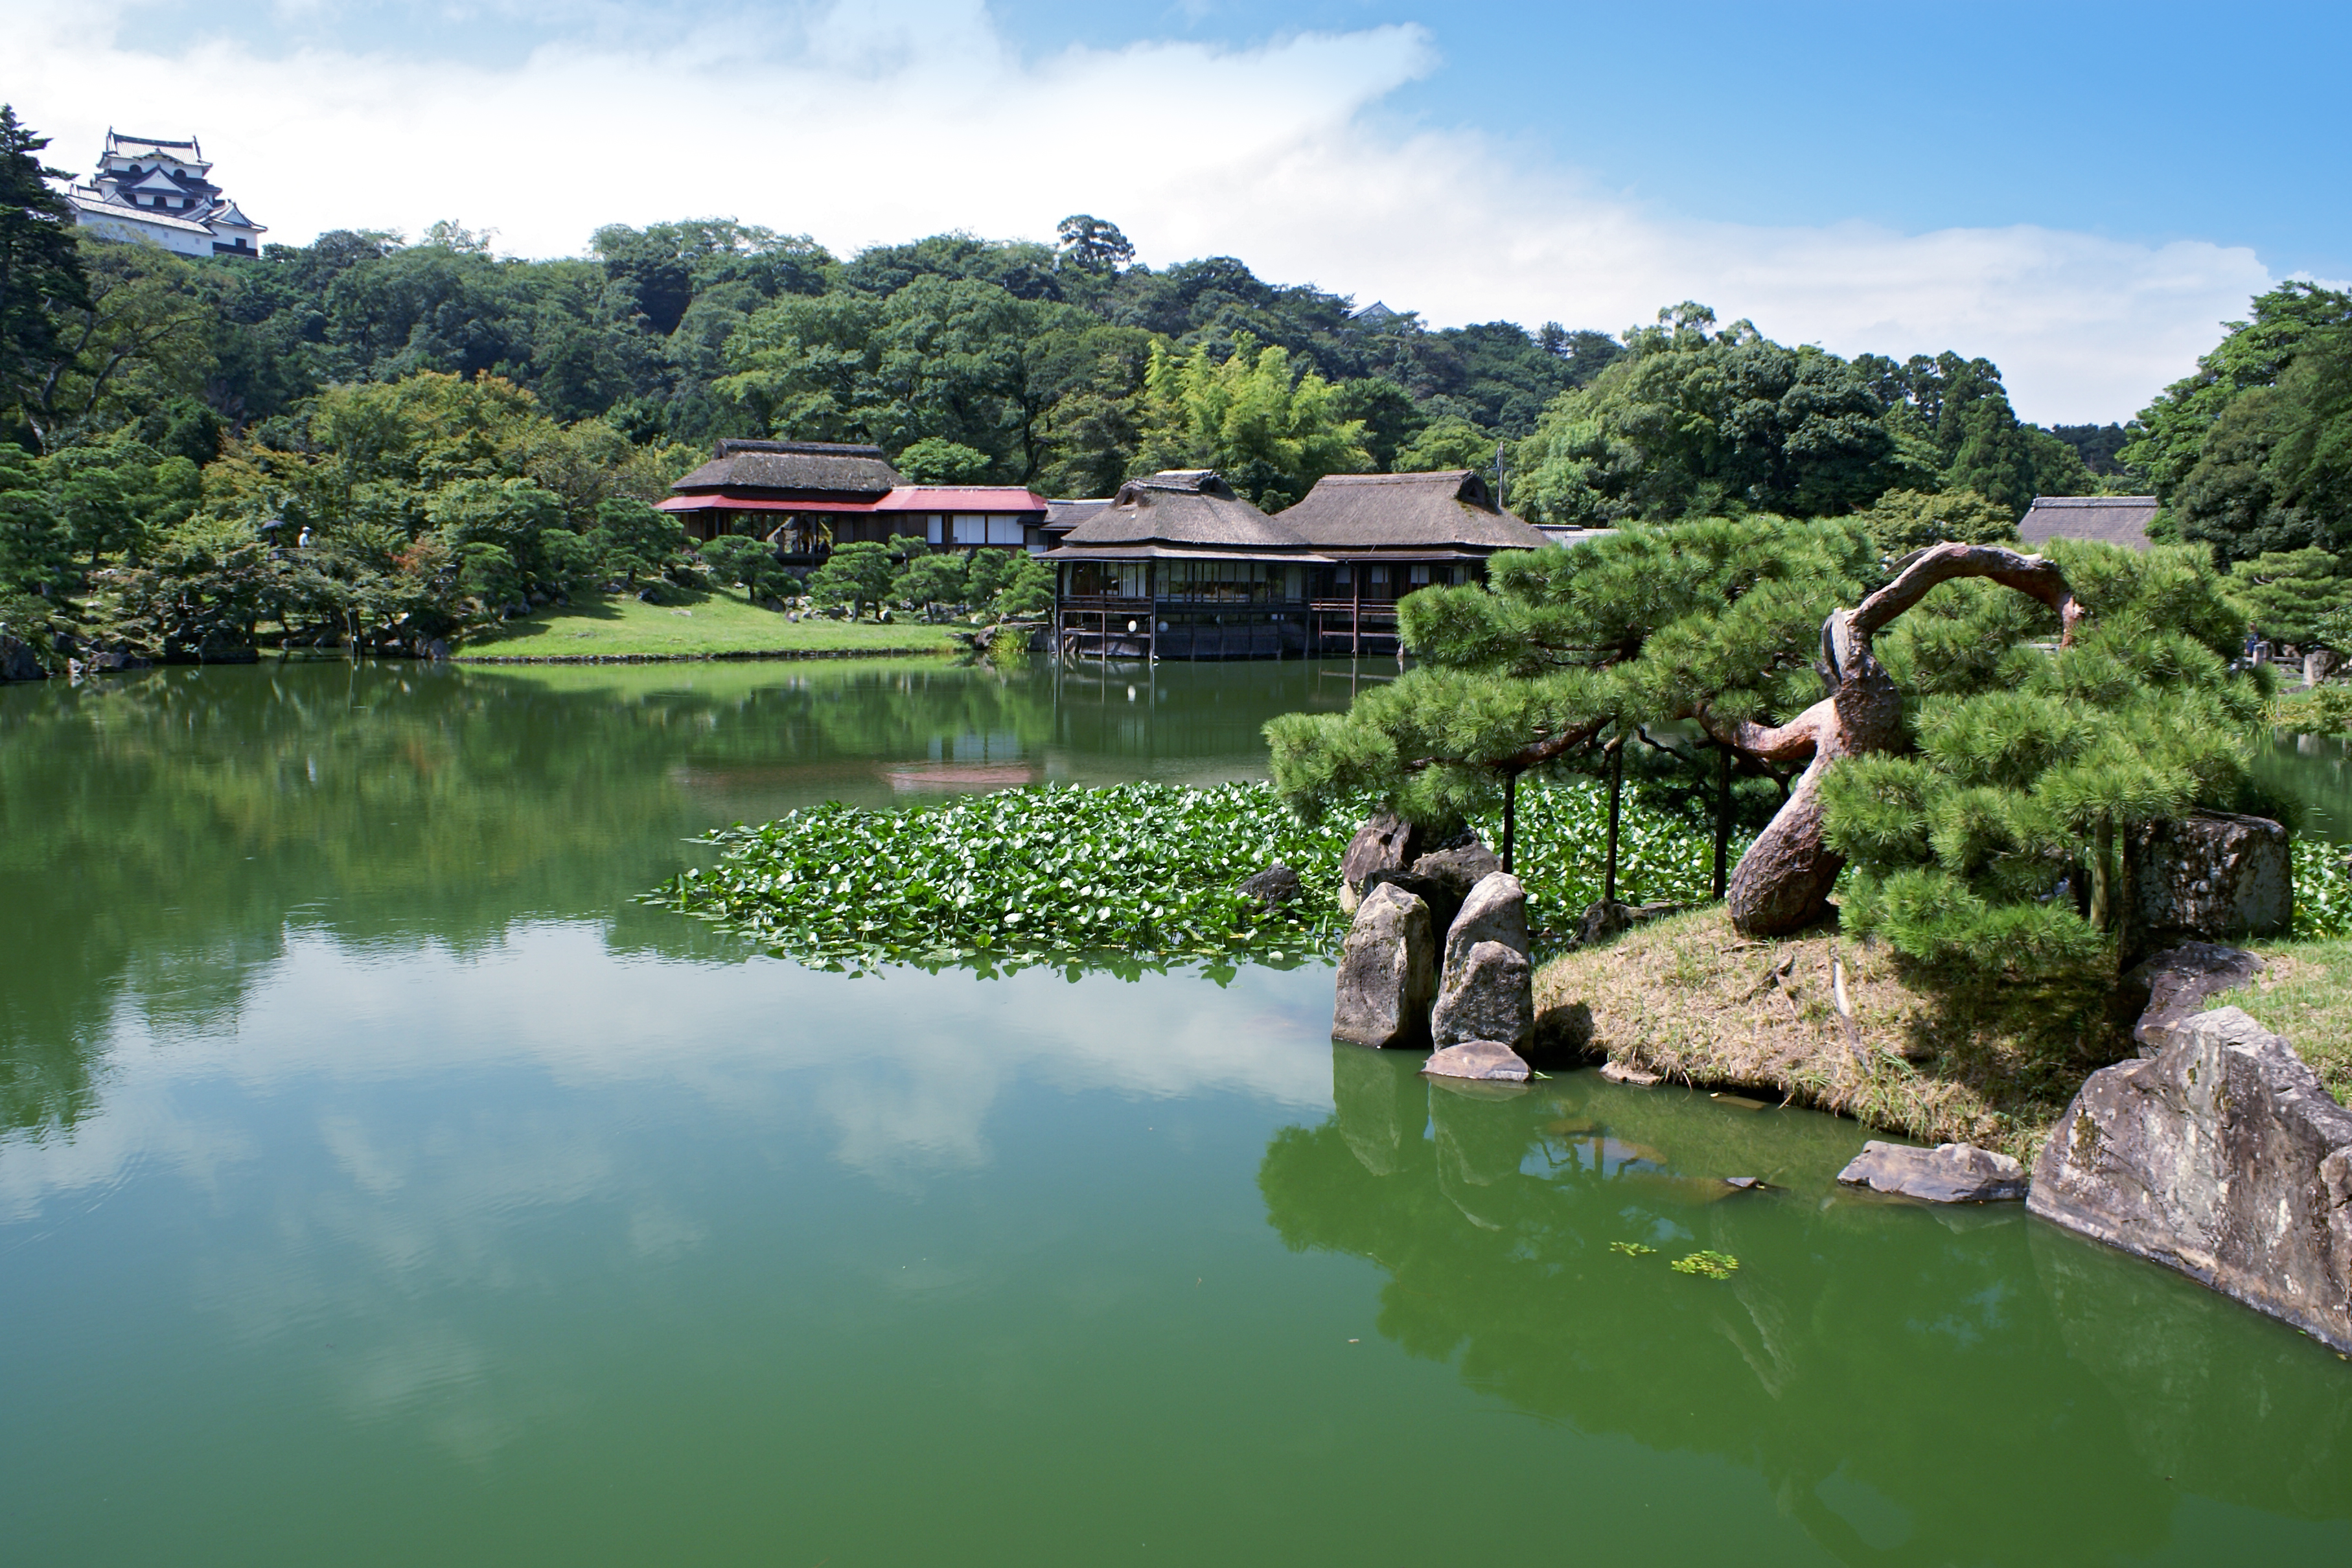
(2222, 1156)
(17, 660)
(1396, 987)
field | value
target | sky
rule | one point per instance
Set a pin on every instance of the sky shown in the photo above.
(2080, 193)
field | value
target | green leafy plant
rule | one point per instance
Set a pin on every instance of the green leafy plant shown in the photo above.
(1633, 1249)
(1714, 1265)
(1027, 876)
(1141, 871)
(2322, 890)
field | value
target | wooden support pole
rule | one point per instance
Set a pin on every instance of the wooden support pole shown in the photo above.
(1616, 799)
(1722, 823)
(1510, 814)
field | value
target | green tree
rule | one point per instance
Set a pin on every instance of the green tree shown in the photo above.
(1024, 588)
(1093, 243)
(1692, 422)
(935, 460)
(2288, 595)
(635, 540)
(35, 546)
(2255, 352)
(1271, 433)
(1901, 521)
(2273, 471)
(857, 574)
(1452, 442)
(1717, 620)
(40, 266)
(141, 331)
(1993, 843)
(930, 579)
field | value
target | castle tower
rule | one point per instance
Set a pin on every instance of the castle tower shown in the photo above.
(162, 192)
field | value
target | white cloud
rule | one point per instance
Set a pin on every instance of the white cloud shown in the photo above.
(880, 121)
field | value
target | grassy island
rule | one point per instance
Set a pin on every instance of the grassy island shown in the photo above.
(721, 624)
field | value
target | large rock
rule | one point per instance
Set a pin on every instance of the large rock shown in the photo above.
(1443, 877)
(1948, 1173)
(1495, 911)
(1386, 842)
(2210, 874)
(1477, 1060)
(2176, 983)
(1278, 884)
(18, 661)
(1388, 966)
(2223, 1157)
(1490, 996)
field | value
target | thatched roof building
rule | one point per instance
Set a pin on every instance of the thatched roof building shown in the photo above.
(1446, 515)
(2111, 519)
(1179, 512)
(809, 496)
(781, 469)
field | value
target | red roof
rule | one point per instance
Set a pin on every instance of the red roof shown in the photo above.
(905, 498)
(960, 498)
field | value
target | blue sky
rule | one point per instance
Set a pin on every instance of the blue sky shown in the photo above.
(2081, 192)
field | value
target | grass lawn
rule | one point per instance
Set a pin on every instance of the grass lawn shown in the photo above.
(690, 625)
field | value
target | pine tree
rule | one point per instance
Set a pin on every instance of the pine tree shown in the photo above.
(40, 265)
(1571, 653)
(2040, 730)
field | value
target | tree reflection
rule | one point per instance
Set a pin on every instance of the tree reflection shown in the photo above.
(161, 833)
(1888, 1369)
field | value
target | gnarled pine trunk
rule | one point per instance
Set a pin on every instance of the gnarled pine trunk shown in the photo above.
(1784, 882)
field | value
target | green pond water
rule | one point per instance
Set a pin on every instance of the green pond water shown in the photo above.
(379, 1184)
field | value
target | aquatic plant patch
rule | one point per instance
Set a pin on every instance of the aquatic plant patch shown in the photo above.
(1714, 1265)
(1026, 878)
(1139, 874)
(1560, 852)
(2322, 890)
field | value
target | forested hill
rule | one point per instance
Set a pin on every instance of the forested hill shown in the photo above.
(443, 434)
(966, 359)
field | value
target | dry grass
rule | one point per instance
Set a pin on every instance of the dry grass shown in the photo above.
(1980, 1060)
(2306, 994)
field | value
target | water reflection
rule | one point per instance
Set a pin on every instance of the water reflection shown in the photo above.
(2316, 770)
(1893, 1371)
(162, 835)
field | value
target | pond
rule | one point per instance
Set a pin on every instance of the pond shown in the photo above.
(380, 1183)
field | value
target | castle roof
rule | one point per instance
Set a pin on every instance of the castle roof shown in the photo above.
(142, 147)
(1449, 509)
(839, 466)
(93, 202)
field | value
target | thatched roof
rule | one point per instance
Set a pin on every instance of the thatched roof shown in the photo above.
(1181, 507)
(1062, 515)
(2111, 519)
(1449, 509)
(836, 467)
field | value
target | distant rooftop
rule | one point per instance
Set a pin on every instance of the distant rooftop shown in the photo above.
(2110, 519)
